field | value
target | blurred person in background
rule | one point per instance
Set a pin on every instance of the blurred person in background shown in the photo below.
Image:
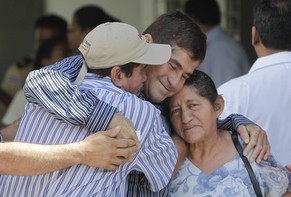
(225, 57)
(263, 94)
(49, 51)
(45, 27)
(84, 20)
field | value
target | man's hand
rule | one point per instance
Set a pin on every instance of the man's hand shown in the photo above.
(289, 167)
(104, 150)
(127, 128)
(255, 137)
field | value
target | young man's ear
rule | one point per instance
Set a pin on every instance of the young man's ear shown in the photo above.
(116, 76)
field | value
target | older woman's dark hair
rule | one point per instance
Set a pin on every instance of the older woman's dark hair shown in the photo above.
(204, 85)
(179, 30)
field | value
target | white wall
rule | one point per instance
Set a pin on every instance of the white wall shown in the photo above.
(139, 13)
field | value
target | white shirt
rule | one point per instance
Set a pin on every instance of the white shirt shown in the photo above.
(225, 58)
(264, 96)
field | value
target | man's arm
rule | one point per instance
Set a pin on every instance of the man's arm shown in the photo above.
(53, 88)
(100, 150)
(253, 135)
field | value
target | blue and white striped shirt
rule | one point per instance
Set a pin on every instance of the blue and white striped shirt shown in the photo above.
(52, 87)
(61, 75)
(156, 159)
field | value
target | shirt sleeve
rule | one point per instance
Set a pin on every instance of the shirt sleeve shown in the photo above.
(53, 88)
(233, 121)
(157, 160)
(158, 155)
(275, 177)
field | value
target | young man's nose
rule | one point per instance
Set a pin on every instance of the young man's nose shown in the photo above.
(175, 83)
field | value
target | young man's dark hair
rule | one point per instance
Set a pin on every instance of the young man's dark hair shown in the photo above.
(189, 38)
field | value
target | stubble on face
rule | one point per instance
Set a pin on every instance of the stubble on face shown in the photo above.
(167, 79)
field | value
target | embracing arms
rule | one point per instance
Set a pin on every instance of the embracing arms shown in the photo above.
(100, 150)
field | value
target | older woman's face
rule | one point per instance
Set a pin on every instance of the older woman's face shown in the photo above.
(192, 116)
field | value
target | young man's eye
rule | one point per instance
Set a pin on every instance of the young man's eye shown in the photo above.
(172, 66)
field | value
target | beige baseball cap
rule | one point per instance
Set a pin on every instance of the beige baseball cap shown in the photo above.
(116, 44)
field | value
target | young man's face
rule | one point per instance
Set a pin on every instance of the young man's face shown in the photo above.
(134, 84)
(167, 79)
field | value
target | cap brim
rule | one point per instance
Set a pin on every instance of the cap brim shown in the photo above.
(81, 74)
(155, 54)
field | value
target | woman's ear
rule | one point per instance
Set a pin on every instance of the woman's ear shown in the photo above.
(149, 38)
(219, 105)
(116, 76)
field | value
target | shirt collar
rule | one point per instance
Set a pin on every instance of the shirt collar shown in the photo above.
(143, 97)
(270, 60)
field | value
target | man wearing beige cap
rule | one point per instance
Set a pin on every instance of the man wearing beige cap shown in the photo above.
(119, 55)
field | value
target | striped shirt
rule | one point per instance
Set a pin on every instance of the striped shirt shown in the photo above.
(156, 158)
(61, 75)
(52, 88)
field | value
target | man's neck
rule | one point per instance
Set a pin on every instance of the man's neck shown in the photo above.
(143, 97)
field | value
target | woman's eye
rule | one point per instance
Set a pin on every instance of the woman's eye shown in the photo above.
(173, 111)
(193, 106)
